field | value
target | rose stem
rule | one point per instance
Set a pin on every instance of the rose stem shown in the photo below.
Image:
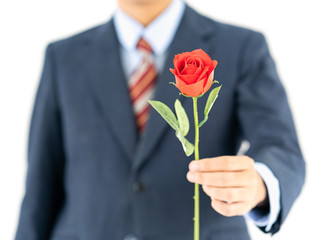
(196, 197)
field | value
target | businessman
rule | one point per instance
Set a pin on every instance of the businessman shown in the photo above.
(103, 165)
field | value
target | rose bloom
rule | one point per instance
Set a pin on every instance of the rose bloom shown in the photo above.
(194, 72)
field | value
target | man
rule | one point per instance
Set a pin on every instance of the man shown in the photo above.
(94, 175)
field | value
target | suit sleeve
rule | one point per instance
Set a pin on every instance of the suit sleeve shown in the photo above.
(266, 122)
(44, 188)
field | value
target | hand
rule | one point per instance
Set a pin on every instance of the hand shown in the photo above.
(231, 182)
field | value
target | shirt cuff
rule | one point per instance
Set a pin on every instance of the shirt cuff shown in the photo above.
(274, 194)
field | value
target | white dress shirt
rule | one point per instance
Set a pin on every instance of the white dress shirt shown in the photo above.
(159, 34)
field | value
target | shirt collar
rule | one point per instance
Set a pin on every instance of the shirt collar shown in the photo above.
(159, 33)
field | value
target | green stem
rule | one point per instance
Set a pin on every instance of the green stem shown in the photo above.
(196, 197)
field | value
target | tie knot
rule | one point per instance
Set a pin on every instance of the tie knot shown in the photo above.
(143, 45)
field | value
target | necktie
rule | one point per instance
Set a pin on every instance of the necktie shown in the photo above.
(141, 85)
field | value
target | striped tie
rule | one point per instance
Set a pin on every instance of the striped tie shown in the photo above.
(141, 85)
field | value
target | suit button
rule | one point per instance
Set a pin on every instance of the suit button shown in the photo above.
(138, 187)
(130, 237)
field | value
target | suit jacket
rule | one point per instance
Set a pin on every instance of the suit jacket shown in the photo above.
(90, 177)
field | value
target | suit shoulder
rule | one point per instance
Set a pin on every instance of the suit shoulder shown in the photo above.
(226, 31)
(234, 31)
(77, 40)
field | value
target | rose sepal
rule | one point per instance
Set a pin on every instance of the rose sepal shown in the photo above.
(199, 96)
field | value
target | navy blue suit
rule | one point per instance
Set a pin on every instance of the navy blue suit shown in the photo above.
(90, 177)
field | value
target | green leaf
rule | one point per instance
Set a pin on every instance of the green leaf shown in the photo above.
(166, 113)
(211, 99)
(209, 104)
(188, 147)
(182, 118)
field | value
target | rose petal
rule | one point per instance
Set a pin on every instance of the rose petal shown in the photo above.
(193, 90)
(183, 57)
(189, 71)
(193, 62)
(176, 59)
(204, 73)
(179, 83)
(179, 65)
(213, 65)
(189, 79)
(199, 71)
(203, 56)
(209, 82)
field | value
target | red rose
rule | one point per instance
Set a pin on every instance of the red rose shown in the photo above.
(194, 72)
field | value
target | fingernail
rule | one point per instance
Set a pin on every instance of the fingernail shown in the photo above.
(194, 166)
(191, 177)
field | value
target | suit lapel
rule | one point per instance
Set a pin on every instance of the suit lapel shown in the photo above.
(190, 36)
(110, 87)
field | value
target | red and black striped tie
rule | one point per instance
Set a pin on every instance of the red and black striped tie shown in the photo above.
(141, 85)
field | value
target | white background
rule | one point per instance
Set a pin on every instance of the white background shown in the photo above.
(295, 31)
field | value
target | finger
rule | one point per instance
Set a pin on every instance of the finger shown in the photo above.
(229, 209)
(205, 189)
(219, 179)
(223, 163)
(229, 195)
